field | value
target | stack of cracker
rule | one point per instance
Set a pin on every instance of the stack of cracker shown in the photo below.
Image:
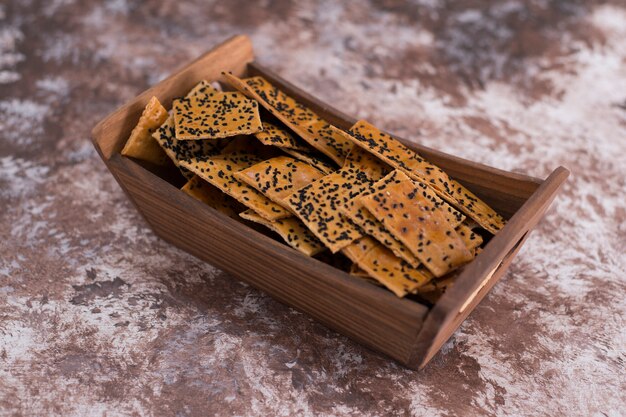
(258, 155)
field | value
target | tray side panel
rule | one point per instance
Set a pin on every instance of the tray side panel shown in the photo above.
(355, 308)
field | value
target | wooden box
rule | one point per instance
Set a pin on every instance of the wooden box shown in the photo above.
(405, 330)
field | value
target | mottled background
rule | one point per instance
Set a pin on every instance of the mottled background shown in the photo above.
(100, 317)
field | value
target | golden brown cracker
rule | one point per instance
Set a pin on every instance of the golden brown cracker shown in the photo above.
(215, 114)
(381, 264)
(359, 215)
(419, 224)
(141, 144)
(279, 177)
(178, 150)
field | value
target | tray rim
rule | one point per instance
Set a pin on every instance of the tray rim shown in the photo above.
(510, 238)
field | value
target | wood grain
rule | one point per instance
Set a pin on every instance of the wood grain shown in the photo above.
(405, 330)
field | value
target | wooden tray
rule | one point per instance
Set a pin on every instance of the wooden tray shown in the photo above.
(405, 330)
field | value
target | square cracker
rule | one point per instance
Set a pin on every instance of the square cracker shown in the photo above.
(140, 144)
(319, 204)
(371, 226)
(215, 114)
(178, 150)
(355, 211)
(278, 177)
(471, 239)
(303, 121)
(399, 156)
(219, 170)
(416, 221)
(291, 230)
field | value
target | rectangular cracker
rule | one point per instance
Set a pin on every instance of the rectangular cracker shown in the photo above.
(304, 122)
(371, 226)
(291, 230)
(209, 194)
(178, 150)
(357, 249)
(399, 156)
(318, 204)
(359, 215)
(419, 224)
(279, 177)
(215, 114)
(471, 239)
(365, 163)
(273, 135)
(219, 170)
(140, 144)
(381, 264)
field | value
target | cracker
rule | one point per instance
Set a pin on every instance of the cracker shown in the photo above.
(357, 249)
(272, 135)
(209, 194)
(399, 156)
(471, 239)
(318, 204)
(381, 264)
(394, 273)
(304, 122)
(178, 150)
(219, 170)
(140, 144)
(312, 158)
(416, 221)
(215, 114)
(279, 177)
(359, 215)
(355, 211)
(291, 230)
(453, 216)
(371, 226)
(365, 163)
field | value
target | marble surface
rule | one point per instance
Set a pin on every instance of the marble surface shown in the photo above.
(100, 317)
